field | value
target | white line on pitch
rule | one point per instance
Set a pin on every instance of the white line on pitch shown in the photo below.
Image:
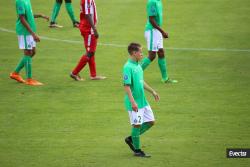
(123, 46)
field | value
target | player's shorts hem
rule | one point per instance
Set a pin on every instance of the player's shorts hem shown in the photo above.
(26, 42)
(144, 114)
(154, 40)
(90, 42)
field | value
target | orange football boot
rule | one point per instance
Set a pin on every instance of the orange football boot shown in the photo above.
(17, 77)
(33, 82)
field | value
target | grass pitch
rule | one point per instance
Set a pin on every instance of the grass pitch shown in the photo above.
(83, 124)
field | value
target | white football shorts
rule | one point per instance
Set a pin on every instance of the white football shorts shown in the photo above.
(26, 42)
(143, 115)
(154, 40)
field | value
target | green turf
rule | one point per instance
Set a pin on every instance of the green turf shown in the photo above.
(83, 124)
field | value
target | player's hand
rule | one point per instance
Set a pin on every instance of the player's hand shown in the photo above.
(165, 34)
(156, 96)
(134, 107)
(36, 37)
(96, 33)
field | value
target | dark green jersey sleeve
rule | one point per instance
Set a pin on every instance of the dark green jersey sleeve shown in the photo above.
(127, 76)
(20, 7)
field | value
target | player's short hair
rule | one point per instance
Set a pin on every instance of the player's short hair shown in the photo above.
(133, 47)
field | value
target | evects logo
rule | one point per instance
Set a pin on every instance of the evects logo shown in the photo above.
(238, 153)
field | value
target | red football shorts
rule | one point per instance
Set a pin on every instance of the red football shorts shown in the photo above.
(90, 42)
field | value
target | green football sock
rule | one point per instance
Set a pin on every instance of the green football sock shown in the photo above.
(70, 11)
(163, 68)
(144, 127)
(20, 65)
(55, 12)
(145, 63)
(28, 61)
(136, 137)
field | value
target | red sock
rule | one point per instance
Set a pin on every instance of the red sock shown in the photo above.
(84, 59)
(92, 66)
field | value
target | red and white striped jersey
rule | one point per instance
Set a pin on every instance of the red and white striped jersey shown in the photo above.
(87, 7)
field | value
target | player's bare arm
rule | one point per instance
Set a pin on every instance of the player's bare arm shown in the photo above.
(27, 26)
(152, 91)
(131, 98)
(91, 22)
(41, 16)
(154, 24)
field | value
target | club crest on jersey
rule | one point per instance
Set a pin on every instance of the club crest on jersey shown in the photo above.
(20, 8)
(125, 77)
(153, 9)
(135, 121)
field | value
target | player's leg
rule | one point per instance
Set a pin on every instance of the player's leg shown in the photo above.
(83, 60)
(28, 63)
(92, 64)
(29, 52)
(15, 75)
(136, 120)
(27, 44)
(148, 119)
(152, 49)
(54, 14)
(81, 64)
(68, 5)
(133, 141)
(163, 67)
(162, 64)
(91, 48)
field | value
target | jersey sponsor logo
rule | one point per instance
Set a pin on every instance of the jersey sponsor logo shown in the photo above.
(125, 77)
(136, 70)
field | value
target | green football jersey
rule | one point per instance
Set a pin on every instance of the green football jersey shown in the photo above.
(23, 7)
(154, 8)
(133, 76)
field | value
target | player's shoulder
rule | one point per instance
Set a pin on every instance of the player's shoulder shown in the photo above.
(19, 1)
(152, 1)
(127, 66)
(87, 1)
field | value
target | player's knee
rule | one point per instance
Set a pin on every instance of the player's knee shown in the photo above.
(136, 126)
(90, 54)
(152, 55)
(59, 1)
(67, 1)
(33, 53)
(28, 53)
(152, 123)
(161, 53)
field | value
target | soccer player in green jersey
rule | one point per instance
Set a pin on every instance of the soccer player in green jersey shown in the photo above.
(56, 9)
(140, 113)
(27, 38)
(154, 35)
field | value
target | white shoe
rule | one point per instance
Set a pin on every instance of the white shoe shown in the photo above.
(98, 78)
